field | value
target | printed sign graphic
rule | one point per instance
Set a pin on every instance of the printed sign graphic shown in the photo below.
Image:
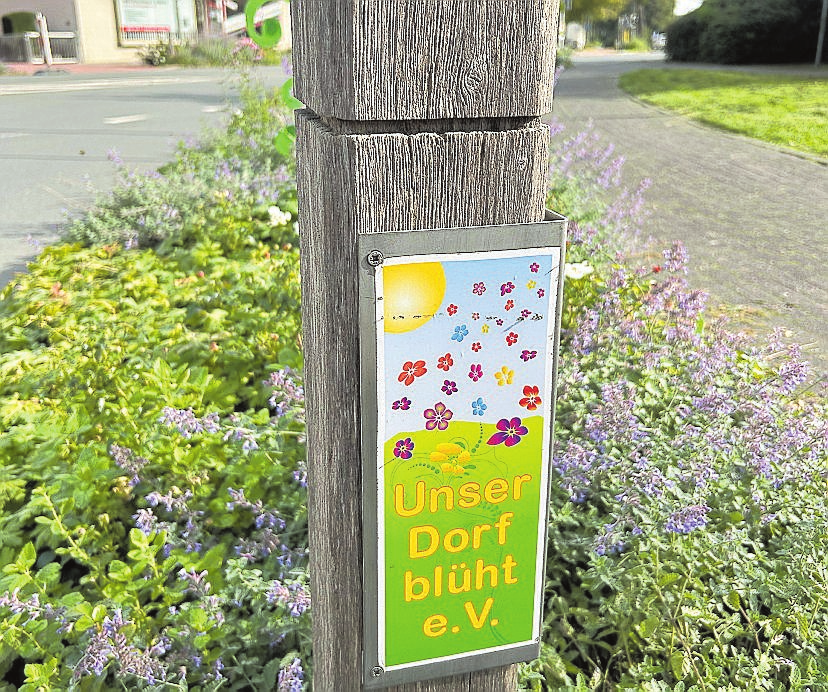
(465, 356)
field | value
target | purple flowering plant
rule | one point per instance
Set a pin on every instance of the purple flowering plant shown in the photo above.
(689, 470)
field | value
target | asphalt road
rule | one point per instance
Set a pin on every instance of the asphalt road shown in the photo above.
(57, 131)
(753, 217)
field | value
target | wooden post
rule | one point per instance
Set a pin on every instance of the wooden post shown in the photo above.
(420, 114)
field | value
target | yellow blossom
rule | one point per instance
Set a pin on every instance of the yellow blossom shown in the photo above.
(505, 376)
(531, 284)
(485, 329)
(451, 457)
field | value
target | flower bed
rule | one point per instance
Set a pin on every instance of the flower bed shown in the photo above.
(152, 499)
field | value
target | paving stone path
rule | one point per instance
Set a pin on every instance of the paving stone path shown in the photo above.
(754, 218)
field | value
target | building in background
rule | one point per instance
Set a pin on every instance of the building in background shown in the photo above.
(112, 31)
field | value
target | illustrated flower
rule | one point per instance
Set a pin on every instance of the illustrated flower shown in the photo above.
(401, 404)
(478, 407)
(410, 370)
(525, 313)
(485, 329)
(475, 372)
(452, 309)
(505, 376)
(403, 448)
(511, 339)
(541, 293)
(479, 289)
(476, 346)
(534, 267)
(509, 304)
(531, 398)
(499, 322)
(475, 315)
(437, 417)
(509, 432)
(451, 457)
(528, 355)
(445, 362)
(508, 287)
(531, 284)
(460, 333)
(449, 387)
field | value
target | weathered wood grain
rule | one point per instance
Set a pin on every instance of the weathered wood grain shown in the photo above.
(422, 114)
(353, 184)
(425, 59)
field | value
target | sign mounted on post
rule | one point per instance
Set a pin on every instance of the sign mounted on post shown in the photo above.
(459, 334)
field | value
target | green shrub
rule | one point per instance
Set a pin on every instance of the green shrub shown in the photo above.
(636, 45)
(223, 52)
(229, 182)
(746, 31)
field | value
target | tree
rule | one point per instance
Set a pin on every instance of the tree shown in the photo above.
(595, 9)
(655, 14)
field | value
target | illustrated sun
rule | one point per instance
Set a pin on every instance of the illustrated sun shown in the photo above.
(412, 293)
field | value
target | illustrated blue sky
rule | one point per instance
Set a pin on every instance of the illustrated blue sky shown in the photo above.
(446, 333)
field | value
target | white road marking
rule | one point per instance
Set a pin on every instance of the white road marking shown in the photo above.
(51, 87)
(212, 109)
(121, 120)
(10, 135)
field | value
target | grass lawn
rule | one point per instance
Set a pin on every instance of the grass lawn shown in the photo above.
(780, 109)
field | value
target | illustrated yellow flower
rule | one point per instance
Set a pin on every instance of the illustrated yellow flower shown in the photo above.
(504, 377)
(485, 329)
(451, 457)
(531, 284)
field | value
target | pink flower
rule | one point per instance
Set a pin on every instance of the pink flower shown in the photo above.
(525, 313)
(541, 293)
(437, 417)
(475, 372)
(445, 362)
(534, 267)
(403, 448)
(506, 288)
(479, 289)
(401, 404)
(511, 339)
(475, 315)
(449, 387)
(528, 355)
(509, 432)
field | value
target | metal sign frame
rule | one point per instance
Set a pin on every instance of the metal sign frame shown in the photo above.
(547, 238)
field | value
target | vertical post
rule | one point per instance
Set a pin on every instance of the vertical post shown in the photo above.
(43, 30)
(418, 115)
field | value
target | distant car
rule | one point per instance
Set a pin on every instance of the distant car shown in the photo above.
(658, 40)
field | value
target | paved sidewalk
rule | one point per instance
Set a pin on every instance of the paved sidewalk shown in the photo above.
(753, 217)
(28, 69)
